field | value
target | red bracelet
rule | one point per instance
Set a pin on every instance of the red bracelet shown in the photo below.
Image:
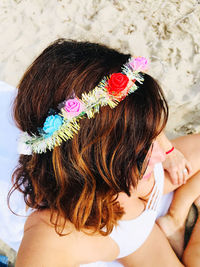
(169, 151)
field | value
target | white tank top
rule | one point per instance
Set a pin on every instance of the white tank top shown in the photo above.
(138, 229)
(131, 234)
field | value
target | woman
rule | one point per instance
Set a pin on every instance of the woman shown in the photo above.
(92, 122)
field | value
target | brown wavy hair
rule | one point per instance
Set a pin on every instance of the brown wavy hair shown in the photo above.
(81, 179)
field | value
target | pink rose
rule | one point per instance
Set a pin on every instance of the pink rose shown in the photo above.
(139, 63)
(73, 107)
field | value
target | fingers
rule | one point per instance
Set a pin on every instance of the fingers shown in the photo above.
(181, 176)
(183, 172)
(174, 175)
(185, 175)
(188, 166)
(178, 167)
(187, 171)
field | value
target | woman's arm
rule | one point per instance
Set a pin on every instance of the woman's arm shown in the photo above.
(189, 145)
(175, 163)
(164, 142)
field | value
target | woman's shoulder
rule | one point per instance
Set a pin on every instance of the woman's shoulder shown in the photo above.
(42, 219)
(75, 248)
(42, 246)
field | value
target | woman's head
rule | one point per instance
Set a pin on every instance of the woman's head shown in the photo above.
(79, 179)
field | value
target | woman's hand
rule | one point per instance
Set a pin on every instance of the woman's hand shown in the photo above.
(177, 166)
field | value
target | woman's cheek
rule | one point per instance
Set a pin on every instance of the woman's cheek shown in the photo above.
(148, 172)
(157, 156)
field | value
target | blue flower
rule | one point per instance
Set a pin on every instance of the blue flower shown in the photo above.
(52, 124)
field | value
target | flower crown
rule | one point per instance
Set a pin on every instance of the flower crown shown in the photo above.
(59, 127)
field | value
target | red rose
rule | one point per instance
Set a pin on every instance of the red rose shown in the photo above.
(116, 85)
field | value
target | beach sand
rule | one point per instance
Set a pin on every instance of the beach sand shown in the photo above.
(166, 32)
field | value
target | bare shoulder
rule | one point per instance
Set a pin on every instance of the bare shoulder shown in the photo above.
(42, 246)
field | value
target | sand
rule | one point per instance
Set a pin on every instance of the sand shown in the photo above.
(166, 32)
